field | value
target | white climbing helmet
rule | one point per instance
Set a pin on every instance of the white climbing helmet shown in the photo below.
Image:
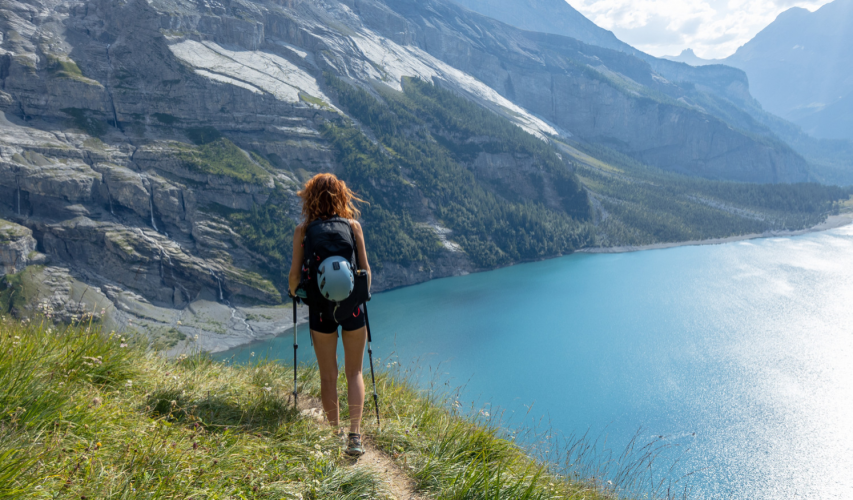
(335, 278)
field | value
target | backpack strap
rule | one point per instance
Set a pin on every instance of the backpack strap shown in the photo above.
(354, 244)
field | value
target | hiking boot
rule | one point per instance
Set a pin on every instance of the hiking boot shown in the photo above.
(354, 446)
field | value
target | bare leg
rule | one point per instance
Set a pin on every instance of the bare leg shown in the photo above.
(354, 343)
(325, 347)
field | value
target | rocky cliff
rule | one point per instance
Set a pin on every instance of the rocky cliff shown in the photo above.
(138, 136)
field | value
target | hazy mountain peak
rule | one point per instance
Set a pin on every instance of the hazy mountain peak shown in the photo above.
(689, 57)
(801, 68)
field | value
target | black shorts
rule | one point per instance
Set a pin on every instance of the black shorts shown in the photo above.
(322, 320)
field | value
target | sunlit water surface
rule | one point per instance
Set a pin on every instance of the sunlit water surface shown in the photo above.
(748, 345)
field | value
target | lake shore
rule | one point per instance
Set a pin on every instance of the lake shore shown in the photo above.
(832, 222)
(215, 343)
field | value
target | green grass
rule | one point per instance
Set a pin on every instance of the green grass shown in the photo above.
(83, 417)
(223, 157)
(91, 415)
(65, 67)
(315, 101)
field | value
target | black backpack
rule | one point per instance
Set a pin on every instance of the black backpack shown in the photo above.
(325, 238)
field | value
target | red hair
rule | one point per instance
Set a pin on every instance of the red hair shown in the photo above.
(326, 195)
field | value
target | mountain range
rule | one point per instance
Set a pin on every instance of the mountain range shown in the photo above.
(732, 90)
(151, 150)
(800, 67)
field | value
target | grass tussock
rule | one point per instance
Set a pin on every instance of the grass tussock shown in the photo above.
(454, 456)
(88, 415)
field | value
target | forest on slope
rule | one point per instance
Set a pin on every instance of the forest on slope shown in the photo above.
(431, 138)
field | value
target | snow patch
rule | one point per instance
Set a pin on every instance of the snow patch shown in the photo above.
(254, 70)
(225, 79)
(391, 62)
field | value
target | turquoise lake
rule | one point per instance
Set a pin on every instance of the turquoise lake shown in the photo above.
(749, 345)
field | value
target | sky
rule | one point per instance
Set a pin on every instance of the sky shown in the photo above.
(712, 28)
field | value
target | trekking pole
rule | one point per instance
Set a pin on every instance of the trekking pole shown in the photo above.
(370, 355)
(295, 347)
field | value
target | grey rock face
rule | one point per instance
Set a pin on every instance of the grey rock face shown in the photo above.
(598, 94)
(106, 107)
(17, 248)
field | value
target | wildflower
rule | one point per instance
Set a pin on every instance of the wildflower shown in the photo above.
(173, 403)
(267, 388)
(316, 446)
(98, 445)
(122, 346)
(179, 323)
(129, 383)
(253, 354)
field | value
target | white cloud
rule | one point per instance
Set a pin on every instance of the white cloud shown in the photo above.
(712, 28)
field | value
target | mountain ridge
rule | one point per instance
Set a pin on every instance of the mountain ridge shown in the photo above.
(803, 49)
(153, 150)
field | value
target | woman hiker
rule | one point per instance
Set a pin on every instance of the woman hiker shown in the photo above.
(328, 202)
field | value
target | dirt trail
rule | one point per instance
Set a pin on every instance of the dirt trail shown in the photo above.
(401, 486)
